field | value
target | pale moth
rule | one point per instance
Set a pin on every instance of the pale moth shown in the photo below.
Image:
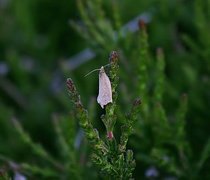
(105, 90)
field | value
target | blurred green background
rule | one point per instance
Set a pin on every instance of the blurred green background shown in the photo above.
(38, 41)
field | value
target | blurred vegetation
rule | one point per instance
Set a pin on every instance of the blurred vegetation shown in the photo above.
(165, 62)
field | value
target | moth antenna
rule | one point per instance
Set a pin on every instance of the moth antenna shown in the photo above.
(91, 72)
(95, 70)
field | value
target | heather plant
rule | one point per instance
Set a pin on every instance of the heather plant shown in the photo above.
(112, 158)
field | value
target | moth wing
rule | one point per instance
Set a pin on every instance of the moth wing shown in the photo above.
(105, 90)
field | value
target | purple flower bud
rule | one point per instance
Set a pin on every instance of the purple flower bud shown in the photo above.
(70, 85)
(113, 57)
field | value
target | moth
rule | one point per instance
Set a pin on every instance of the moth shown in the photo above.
(105, 89)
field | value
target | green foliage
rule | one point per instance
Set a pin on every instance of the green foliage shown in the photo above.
(41, 133)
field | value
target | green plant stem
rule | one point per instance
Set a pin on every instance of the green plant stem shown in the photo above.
(82, 115)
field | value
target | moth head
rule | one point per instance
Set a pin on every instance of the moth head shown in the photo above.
(102, 70)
